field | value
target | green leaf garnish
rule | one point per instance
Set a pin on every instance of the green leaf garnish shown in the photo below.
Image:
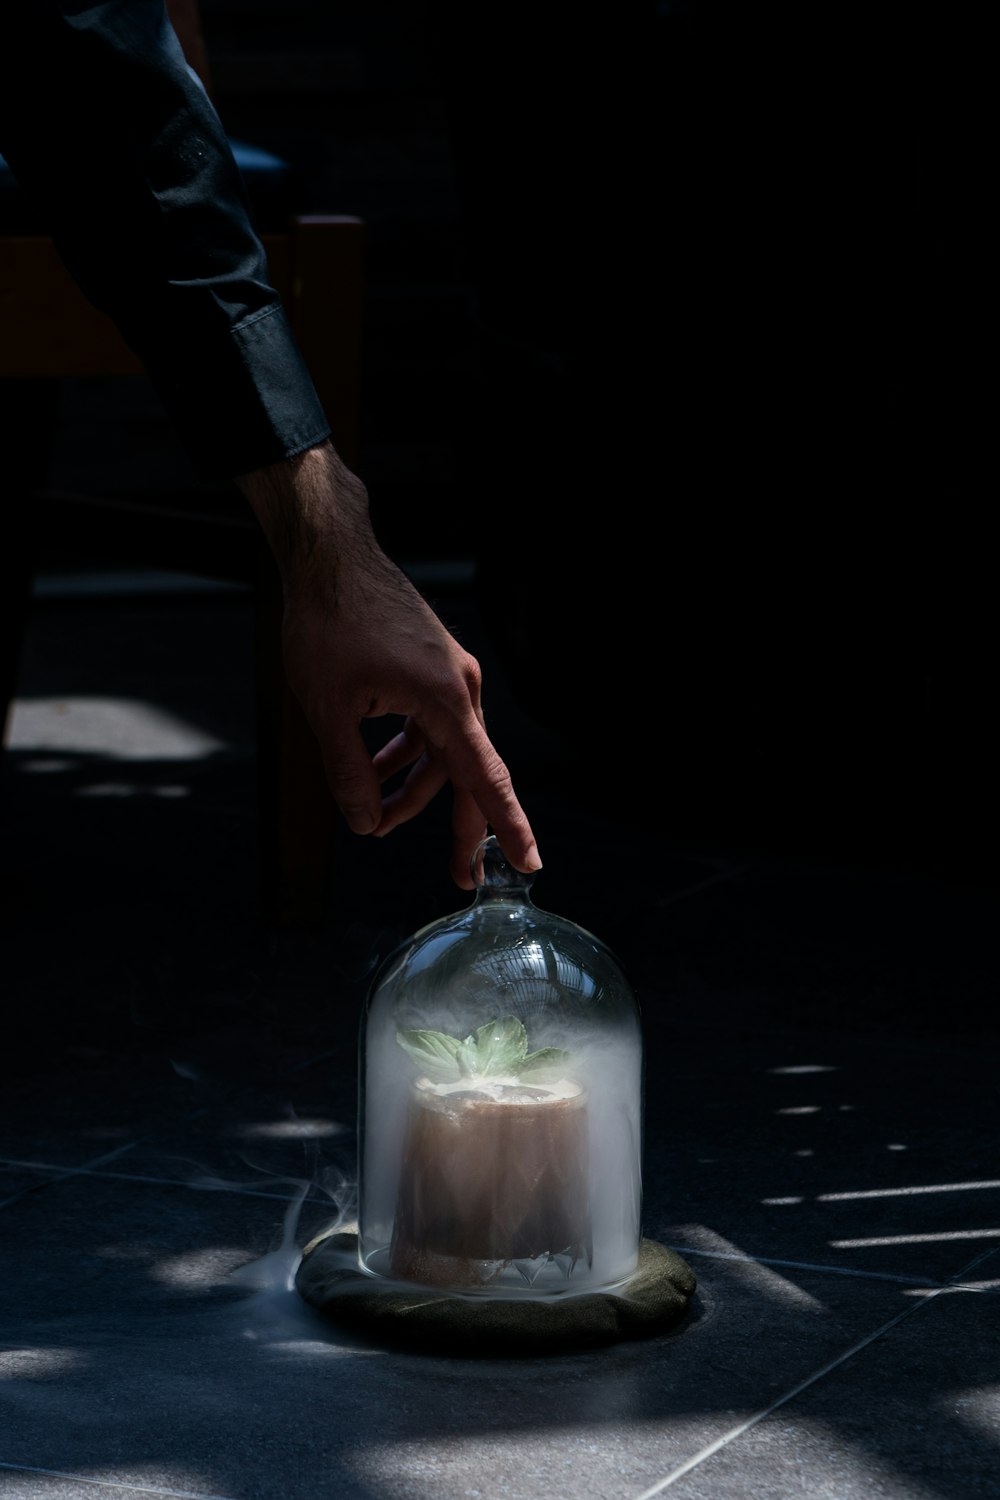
(500, 1048)
(497, 1050)
(435, 1052)
(547, 1062)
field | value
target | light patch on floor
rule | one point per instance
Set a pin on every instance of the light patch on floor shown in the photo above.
(907, 1192)
(763, 1278)
(916, 1239)
(977, 1407)
(287, 1130)
(199, 1268)
(119, 728)
(38, 1364)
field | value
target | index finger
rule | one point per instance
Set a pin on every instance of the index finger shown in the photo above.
(484, 790)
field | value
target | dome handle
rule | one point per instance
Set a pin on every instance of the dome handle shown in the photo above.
(493, 872)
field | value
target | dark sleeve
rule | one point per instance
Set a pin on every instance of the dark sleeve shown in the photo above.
(102, 121)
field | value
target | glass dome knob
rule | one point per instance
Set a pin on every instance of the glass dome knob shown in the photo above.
(494, 874)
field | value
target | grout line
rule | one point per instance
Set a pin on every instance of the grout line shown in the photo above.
(805, 1265)
(114, 1484)
(197, 1187)
(87, 1170)
(752, 1421)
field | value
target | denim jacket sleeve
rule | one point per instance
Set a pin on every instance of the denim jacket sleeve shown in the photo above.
(106, 126)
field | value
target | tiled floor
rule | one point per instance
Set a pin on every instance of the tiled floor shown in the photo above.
(178, 1117)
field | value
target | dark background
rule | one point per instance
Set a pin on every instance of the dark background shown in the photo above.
(672, 335)
(672, 323)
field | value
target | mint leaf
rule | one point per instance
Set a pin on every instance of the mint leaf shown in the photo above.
(435, 1052)
(500, 1047)
(547, 1062)
(467, 1058)
(497, 1050)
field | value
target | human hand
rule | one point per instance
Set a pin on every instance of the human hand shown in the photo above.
(360, 642)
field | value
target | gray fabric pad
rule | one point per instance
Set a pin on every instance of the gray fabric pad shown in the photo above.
(654, 1299)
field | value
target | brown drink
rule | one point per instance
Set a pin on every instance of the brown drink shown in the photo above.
(491, 1174)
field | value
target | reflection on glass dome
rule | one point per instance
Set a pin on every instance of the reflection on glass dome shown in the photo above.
(501, 1111)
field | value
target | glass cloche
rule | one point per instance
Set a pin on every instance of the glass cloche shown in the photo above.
(500, 1114)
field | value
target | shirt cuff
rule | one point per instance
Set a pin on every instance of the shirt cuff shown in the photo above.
(242, 399)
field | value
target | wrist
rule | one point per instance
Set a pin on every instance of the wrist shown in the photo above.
(312, 510)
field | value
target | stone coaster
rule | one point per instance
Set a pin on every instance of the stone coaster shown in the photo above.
(654, 1299)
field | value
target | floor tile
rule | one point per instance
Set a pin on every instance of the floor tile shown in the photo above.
(151, 1360)
(892, 1169)
(913, 1416)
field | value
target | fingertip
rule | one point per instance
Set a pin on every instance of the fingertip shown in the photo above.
(360, 820)
(529, 863)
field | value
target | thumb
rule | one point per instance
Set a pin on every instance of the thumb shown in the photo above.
(353, 782)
